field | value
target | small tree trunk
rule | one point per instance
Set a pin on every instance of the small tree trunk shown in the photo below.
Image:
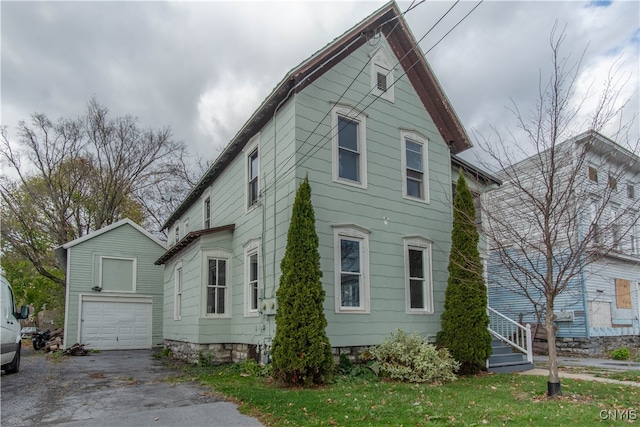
(553, 385)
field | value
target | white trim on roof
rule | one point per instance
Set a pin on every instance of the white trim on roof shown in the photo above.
(109, 228)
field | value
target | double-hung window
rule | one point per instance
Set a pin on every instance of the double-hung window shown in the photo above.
(217, 286)
(415, 177)
(349, 147)
(252, 277)
(177, 302)
(351, 254)
(252, 171)
(419, 292)
(207, 213)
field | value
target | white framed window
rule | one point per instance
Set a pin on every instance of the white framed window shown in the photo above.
(206, 213)
(176, 231)
(117, 274)
(216, 268)
(252, 172)
(382, 74)
(349, 143)
(415, 171)
(615, 227)
(419, 288)
(593, 210)
(177, 300)
(251, 277)
(635, 239)
(631, 191)
(351, 266)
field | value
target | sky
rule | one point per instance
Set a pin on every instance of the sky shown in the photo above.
(202, 68)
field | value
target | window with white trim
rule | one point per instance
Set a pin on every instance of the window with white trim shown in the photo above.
(635, 241)
(206, 209)
(419, 290)
(117, 274)
(216, 286)
(382, 74)
(415, 174)
(349, 146)
(177, 231)
(252, 171)
(252, 277)
(351, 257)
(177, 300)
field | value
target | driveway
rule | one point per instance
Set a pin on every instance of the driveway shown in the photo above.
(106, 389)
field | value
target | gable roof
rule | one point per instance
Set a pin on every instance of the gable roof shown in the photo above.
(103, 230)
(475, 171)
(413, 62)
(190, 237)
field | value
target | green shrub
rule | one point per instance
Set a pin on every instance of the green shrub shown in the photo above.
(301, 350)
(410, 358)
(622, 353)
(465, 320)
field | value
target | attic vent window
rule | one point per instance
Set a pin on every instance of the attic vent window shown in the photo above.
(382, 81)
(382, 73)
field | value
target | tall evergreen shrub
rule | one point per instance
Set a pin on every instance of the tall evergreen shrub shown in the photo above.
(301, 351)
(465, 320)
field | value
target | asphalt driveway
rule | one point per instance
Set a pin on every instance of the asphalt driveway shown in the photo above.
(106, 389)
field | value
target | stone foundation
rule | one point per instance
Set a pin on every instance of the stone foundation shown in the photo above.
(211, 353)
(354, 353)
(595, 346)
(229, 353)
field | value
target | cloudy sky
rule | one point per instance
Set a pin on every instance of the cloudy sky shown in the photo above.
(203, 67)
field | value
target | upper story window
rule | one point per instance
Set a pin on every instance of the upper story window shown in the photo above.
(207, 212)
(613, 183)
(382, 74)
(593, 212)
(415, 176)
(634, 239)
(177, 301)
(117, 274)
(631, 191)
(351, 263)
(349, 147)
(419, 290)
(177, 231)
(252, 170)
(593, 174)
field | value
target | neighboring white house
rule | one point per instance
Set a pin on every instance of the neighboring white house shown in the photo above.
(600, 309)
(114, 292)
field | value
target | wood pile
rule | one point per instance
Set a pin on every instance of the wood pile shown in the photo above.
(55, 343)
(76, 350)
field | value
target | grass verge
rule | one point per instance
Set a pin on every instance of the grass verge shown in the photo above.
(493, 399)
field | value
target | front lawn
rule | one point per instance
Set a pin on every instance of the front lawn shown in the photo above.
(492, 399)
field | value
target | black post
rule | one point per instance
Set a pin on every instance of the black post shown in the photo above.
(554, 389)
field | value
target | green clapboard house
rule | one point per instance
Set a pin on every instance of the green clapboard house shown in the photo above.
(367, 121)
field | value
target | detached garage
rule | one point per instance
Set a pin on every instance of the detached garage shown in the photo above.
(114, 292)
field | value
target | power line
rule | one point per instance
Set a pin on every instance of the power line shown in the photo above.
(316, 147)
(305, 156)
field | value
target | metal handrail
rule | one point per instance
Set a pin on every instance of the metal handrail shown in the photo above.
(510, 331)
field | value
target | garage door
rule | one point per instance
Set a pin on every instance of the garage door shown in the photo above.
(111, 325)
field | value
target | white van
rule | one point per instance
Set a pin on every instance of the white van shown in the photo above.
(11, 337)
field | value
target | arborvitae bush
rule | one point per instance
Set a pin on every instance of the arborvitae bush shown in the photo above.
(465, 320)
(410, 358)
(301, 351)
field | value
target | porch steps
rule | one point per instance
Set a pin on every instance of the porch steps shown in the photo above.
(504, 360)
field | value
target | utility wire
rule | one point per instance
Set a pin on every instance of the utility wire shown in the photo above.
(316, 147)
(305, 156)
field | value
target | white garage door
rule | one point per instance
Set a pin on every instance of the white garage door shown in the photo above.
(111, 325)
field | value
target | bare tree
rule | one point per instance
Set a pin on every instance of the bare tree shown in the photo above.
(75, 176)
(550, 219)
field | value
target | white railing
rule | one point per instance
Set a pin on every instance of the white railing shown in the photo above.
(513, 333)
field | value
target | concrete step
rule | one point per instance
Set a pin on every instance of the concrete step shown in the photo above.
(505, 360)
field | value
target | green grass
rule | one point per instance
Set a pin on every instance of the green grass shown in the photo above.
(503, 399)
(621, 375)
